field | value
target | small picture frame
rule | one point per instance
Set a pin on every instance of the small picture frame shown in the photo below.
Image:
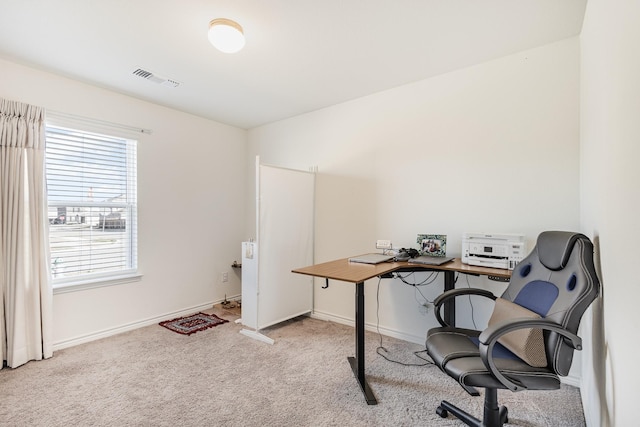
(432, 244)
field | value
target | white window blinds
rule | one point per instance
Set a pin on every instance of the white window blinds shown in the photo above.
(91, 185)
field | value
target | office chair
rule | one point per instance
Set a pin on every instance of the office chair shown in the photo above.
(531, 335)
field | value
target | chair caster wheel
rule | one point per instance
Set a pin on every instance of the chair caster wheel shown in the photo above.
(504, 415)
(442, 412)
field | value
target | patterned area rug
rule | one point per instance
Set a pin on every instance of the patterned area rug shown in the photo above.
(191, 324)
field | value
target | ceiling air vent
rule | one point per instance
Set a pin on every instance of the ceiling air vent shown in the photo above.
(148, 75)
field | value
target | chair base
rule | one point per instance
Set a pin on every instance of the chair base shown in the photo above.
(494, 416)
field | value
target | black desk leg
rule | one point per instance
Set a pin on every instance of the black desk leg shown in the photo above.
(450, 305)
(357, 363)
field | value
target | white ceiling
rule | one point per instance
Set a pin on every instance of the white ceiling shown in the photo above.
(300, 56)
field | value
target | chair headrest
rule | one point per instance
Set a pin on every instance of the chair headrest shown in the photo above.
(554, 248)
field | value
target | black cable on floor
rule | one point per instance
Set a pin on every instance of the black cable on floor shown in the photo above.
(381, 348)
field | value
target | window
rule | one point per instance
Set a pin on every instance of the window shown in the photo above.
(91, 186)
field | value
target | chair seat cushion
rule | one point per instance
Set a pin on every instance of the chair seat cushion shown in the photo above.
(455, 351)
(471, 371)
(527, 344)
(446, 343)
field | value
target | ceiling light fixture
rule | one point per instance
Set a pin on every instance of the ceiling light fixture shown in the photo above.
(226, 35)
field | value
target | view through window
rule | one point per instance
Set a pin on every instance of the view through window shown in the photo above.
(91, 185)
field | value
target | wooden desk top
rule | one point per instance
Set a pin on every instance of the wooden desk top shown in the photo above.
(354, 272)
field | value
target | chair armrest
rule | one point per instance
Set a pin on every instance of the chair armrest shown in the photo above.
(489, 337)
(453, 293)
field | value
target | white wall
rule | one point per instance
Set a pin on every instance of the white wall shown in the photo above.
(191, 178)
(491, 148)
(500, 139)
(610, 148)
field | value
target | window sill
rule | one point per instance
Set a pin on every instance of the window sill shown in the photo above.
(83, 285)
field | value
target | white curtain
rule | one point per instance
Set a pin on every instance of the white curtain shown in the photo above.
(25, 285)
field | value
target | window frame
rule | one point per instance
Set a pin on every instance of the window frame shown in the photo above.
(130, 273)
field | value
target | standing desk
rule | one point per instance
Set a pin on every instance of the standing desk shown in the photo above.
(357, 273)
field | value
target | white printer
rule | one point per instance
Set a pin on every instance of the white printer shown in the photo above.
(493, 250)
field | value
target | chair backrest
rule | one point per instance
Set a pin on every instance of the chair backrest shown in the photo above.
(558, 281)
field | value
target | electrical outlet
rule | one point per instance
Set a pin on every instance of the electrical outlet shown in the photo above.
(424, 308)
(383, 244)
(224, 277)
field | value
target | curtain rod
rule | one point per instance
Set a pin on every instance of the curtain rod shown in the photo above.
(68, 116)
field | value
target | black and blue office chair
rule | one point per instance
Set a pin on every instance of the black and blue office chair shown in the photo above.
(531, 336)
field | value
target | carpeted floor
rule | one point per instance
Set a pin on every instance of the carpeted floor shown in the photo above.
(218, 377)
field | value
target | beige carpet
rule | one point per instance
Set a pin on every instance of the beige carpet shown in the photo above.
(218, 377)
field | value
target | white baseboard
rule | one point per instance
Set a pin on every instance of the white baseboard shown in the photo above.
(369, 327)
(133, 325)
(569, 380)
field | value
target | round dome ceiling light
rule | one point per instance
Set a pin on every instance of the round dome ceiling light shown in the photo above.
(226, 35)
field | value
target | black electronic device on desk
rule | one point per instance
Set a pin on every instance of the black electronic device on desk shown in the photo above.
(406, 254)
